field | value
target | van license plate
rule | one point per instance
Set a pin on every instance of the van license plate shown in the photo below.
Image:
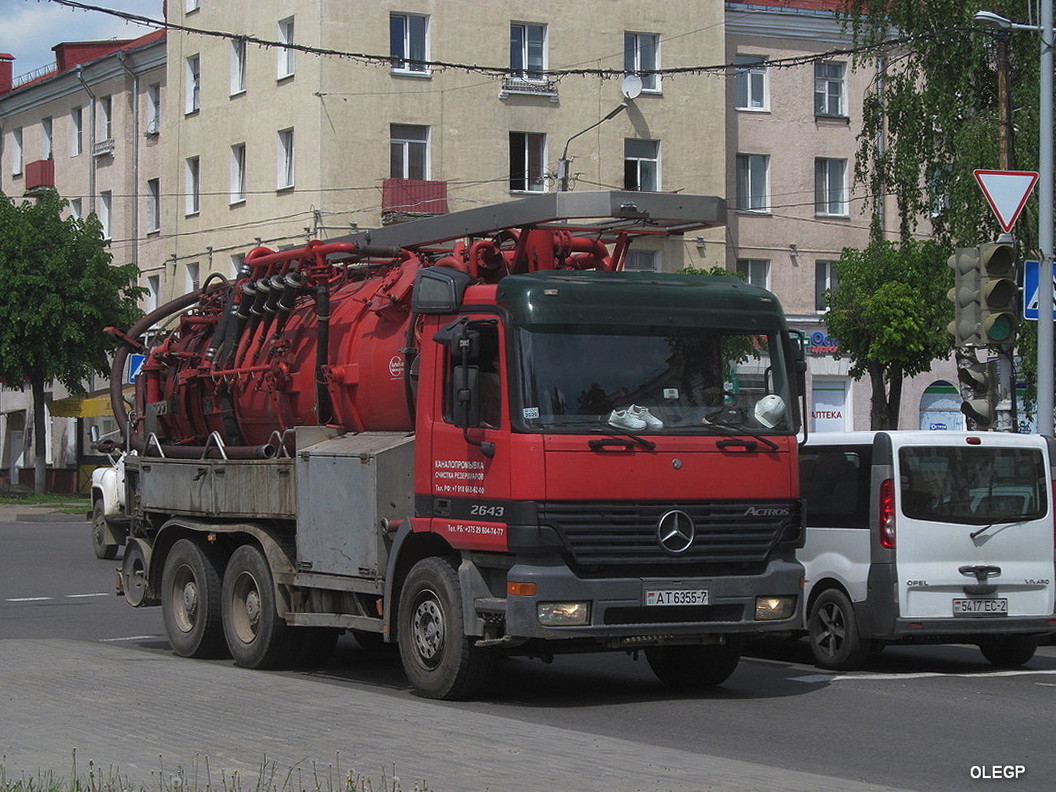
(676, 597)
(980, 607)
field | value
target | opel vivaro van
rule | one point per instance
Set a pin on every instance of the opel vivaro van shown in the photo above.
(934, 537)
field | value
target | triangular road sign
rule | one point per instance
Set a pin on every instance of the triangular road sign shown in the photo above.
(1006, 192)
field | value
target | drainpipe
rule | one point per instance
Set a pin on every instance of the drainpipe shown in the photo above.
(121, 56)
(91, 139)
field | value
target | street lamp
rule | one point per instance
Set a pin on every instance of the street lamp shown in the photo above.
(565, 163)
(1045, 210)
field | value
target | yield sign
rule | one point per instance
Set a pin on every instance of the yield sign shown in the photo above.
(1007, 193)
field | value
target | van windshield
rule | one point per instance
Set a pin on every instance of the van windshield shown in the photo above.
(978, 485)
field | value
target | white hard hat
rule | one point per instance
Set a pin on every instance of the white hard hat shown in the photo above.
(770, 410)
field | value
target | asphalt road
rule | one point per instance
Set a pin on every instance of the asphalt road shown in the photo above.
(931, 719)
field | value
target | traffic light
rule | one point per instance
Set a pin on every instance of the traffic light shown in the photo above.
(981, 405)
(997, 293)
(966, 327)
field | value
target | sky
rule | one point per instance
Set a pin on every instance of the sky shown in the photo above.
(30, 28)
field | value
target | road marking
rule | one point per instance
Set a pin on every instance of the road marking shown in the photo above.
(128, 638)
(82, 596)
(28, 599)
(67, 596)
(823, 678)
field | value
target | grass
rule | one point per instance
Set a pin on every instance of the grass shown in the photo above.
(53, 501)
(200, 778)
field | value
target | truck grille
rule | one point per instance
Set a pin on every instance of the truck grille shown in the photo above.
(602, 537)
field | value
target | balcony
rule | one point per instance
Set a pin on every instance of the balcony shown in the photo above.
(40, 176)
(103, 148)
(525, 86)
(404, 199)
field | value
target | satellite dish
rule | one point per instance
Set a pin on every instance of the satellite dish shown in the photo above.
(631, 87)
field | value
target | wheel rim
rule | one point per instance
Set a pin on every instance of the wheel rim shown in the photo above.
(185, 599)
(427, 629)
(833, 629)
(246, 608)
(133, 575)
(97, 532)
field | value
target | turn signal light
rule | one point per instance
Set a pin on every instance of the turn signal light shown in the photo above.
(514, 589)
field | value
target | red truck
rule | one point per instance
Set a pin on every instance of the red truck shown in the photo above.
(473, 436)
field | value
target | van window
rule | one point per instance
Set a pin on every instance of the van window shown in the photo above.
(976, 485)
(835, 485)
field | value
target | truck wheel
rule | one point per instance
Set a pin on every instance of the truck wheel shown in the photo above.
(833, 630)
(1009, 652)
(438, 657)
(256, 636)
(695, 667)
(100, 533)
(190, 601)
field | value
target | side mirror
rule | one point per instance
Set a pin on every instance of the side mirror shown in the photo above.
(465, 396)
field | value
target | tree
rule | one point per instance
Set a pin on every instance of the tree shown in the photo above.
(890, 314)
(60, 292)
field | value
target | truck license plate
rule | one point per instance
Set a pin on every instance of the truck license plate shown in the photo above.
(676, 597)
(980, 607)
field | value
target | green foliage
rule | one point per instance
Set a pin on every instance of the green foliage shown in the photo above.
(59, 293)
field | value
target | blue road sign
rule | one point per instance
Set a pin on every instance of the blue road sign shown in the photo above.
(1031, 271)
(135, 363)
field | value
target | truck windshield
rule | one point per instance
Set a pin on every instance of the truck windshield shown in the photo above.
(692, 380)
(978, 485)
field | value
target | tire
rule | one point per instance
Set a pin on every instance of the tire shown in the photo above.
(438, 657)
(100, 533)
(190, 600)
(256, 636)
(833, 631)
(1010, 652)
(695, 667)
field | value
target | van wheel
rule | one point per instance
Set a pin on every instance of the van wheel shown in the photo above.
(1009, 652)
(695, 667)
(833, 631)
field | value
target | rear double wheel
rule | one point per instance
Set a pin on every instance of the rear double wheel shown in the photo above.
(190, 600)
(256, 636)
(440, 660)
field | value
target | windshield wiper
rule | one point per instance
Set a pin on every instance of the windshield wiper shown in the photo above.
(734, 431)
(595, 427)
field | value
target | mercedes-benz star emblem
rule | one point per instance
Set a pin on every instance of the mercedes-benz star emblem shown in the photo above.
(675, 531)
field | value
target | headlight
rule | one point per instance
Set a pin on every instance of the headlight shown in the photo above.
(774, 608)
(564, 614)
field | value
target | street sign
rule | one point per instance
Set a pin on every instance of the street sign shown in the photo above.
(1006, 192)
(135, 363)
(1031, 275)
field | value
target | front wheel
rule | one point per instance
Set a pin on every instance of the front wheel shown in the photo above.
(101, 534)
(1009, 652)
(190, 600)
(256, 636)
(695, 667)
(438, 657)
(833, 630)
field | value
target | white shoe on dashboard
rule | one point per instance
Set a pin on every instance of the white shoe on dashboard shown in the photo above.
(643, 414)
(622, 419)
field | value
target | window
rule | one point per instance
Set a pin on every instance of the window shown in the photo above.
(153, 292)
(642, 261)
(641, 165)
(75, 208)
(106, 118)
(825, 280)
(16, 152)
(153, 108)
(751, 81)
(237, 260)
(106, 201)
(527, 158)
(191, 5)
(408, 42)
(285, 159)
(192, 84)
(830, 187)
(237, 190)
(76, 131)
(238, 66)
(527, 51)
(191, 185)
(193, 276)
(641, 54)
(753, 188)
(829, 94)
(45, 138)
(408, 151)
(755, 271)
(285, 53)
(153, 205)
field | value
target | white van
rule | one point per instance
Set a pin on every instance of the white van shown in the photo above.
(931, 537)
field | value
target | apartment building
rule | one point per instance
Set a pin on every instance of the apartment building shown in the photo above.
(794, 113)
(88, 127)
(419, 107)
